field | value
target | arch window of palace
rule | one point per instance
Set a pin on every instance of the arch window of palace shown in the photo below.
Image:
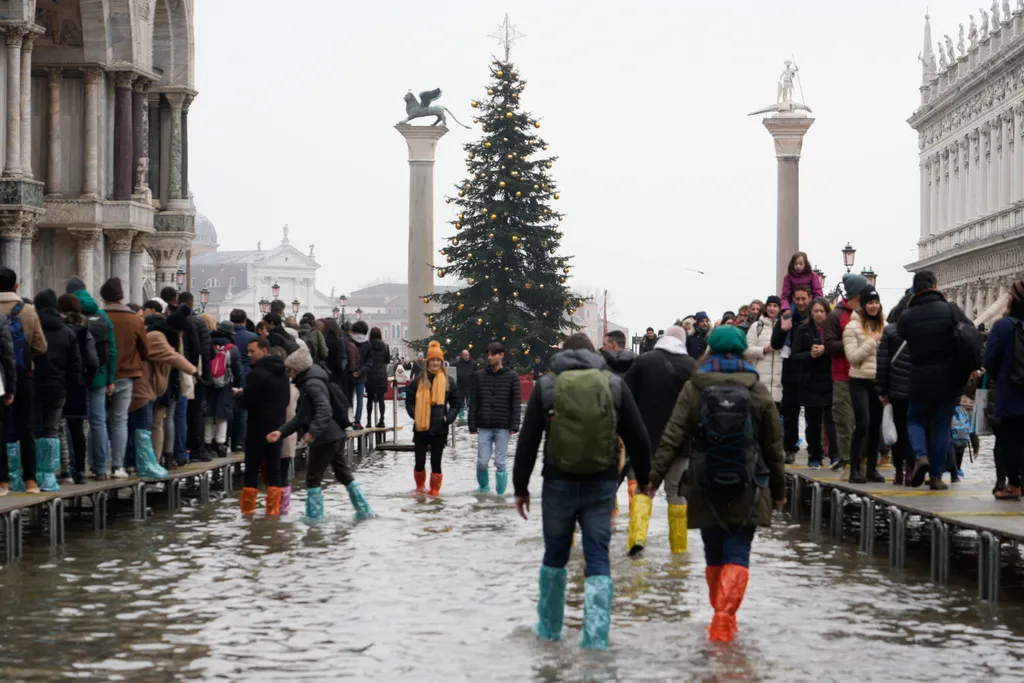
(212, 282)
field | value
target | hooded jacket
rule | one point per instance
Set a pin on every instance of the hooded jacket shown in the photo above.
(495, 400)
(769, 365)
(647, 344)
(813, 375)
(620, 360)
(314, 339)
(656, 379)
(107, 372)
(362, 367)
(535, 423)
(892, 377)
(313, 413)
(156, 369)
(861, 349)
(266, 395)
(279, 337)
(928, 325)
(379, 357)
(76, 402)
(61, 366)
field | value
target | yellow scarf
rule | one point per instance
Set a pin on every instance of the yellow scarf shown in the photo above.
(430, 392)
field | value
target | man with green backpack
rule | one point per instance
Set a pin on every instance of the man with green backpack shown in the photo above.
(580, 406)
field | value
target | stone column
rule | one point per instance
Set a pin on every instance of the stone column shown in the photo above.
(136, 263)
(788, 133)
(981, 298)
(422, 143)
(968, 307)
(984, 180)
(26, 104)
(184, 147)
(12, 160)
(960, 296)
(55, 158)
(951, 188)
(91, 133)
(943, 190)
(925, 185)
(167, 250)
(995, 143)
(972, 175)
(153, 123)
(27, 275)
(119, 243)
(123, 136)
(933, 214)
(85, 247)
(961, 180)
(140, 131)
(1018, 159)
(1004, 286)
(10, 241)
(176, 200)
(1006, 187)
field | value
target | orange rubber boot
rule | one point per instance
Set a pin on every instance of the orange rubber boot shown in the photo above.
(435, 483)
(421, 480)
(273, 501)
(249, 496)
(631, 487)
(713, 576)
(732, 586)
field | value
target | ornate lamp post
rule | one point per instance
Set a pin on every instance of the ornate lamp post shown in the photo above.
(264, 306)
(821, 276)
(275, 289)
(180, 278)
(204, 298)
(848, 255)
(336, 311)
(870, 275)
(359, 314)
(295, 306)
(343, 299)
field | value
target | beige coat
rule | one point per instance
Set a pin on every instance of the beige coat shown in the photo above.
(156, 369)
(30, 324)
(861, 349)
(289, 443)
(769, 365)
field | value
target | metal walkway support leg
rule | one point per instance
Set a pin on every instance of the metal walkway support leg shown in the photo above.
(817, 507)
(139, 495)
(55, 509)
(229, 480)
(836, 528)
(940, 552)
(989, 550)
(897, 538)
(867, 525)
(204, 487)
(99, 510)
(795, 500)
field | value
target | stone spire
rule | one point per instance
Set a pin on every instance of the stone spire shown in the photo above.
(927, 56)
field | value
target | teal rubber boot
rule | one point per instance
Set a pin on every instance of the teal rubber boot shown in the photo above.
(146, 464)
(359, 502)
(483, 480)
(500, 481)
(15, 473)
(47, 464)
(597, 612)
(551, 603)
(315, 504)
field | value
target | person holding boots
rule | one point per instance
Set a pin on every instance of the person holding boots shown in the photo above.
(494, 414)
(860, 342)
(732, 418)
(321, 414)
(432, 401)
(569, 408)
(265, 398)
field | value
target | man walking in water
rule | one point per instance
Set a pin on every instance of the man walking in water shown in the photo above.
(494, 414)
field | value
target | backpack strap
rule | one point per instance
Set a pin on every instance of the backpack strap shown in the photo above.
(547, 392)
(616, 384)
(17, 309)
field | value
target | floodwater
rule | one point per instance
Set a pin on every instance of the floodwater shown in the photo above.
(444, 590)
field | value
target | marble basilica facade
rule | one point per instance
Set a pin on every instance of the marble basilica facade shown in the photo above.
(94, 101)
(971, 139)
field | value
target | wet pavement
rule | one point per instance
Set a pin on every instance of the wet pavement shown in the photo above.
(444, 590)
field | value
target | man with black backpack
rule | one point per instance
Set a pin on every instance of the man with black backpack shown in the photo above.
(736, 473)
(580, 407)
(322, 415)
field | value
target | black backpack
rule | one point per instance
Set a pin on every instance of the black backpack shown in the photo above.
(339, 404)
(968, 348)
(100, 332)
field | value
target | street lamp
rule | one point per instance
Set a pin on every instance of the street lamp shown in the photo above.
(180, 278)
(343, 299)
(336, 311)
(821, 276)
(870, 275)
(359, 314)
(295, 306)
(848, 256)
(264, 306)
(275, 289)
(204, 297)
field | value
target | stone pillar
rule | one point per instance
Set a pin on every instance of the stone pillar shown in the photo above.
(1004, 286)
(993, 167)
(961, 180)
(788, 132)
(136, 264)
(951, 186)
(91, 133)
(119, 243)
(55, 158)
(422, 144)
(176, 200)
(1006, 174)
(981, 298)
(984, 180)
(123, 136)
(167, 250)
(933, 214)
(184, 147)
(972, 175)
(943, 189)
(26, 104)
(960, 296)
(27, 275)
(1018, 159)
(968, 307)
(10, 241)
(85, 248)
(140, 132)
(153, 122)
(925, 186)
(12, 160)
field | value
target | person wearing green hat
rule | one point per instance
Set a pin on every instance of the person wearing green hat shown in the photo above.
(726, 398)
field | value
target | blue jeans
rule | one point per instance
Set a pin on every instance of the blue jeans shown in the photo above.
(498, 440)
(117, 418)
(936, 417)
(181, 430)
(360, 392)
(99, 442)
(563, 504)
(727, 547)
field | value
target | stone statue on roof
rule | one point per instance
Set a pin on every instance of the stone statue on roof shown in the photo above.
(785, 104)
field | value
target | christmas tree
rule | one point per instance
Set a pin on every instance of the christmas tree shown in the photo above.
(505, 247)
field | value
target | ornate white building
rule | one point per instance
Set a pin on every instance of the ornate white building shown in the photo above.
(971, 138)
(94, 140)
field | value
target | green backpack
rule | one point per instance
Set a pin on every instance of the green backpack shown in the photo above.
(582, 422)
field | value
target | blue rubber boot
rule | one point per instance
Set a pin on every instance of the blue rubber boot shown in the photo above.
(146, 464)
(597, 612)
(500, 481)
(359, 502)
(551, 603)
(15, 474)
(47, 464)
(483, 480)
(315, 504)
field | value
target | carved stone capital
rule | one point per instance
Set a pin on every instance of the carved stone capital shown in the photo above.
(29, 231)
(14, 36)
(142, 84)
(139, 243)
(120, 239)
(28, 42)
(176, 100)
(10, 225)
(167, 249)
(85, 238)
(92, 74)
(124, 80)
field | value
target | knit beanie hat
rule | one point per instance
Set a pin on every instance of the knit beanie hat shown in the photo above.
(1017, 291)
(773, 300)
(299, 360)
(868, 294)
(46, 299)
(68, 303)
(434, 351)
(727, 339)
(853, 283)
(74, 284)
(112, 290)
(701, 315)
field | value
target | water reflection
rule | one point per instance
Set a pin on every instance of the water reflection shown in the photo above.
(445, 590)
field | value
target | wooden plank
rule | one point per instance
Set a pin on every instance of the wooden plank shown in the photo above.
(196, 468)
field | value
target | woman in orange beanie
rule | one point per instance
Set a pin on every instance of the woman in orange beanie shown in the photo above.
(433, 402)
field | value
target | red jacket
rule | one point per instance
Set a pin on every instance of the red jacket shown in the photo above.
(834, 326)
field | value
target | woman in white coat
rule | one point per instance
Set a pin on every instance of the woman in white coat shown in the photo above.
(760, 352)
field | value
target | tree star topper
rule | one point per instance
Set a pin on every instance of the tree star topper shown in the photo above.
(506, 35)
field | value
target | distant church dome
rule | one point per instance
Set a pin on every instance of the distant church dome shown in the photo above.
(206, 236)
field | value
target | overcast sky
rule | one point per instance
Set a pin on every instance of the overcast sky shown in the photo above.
(646, 103)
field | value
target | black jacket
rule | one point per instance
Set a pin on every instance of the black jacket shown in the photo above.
(378, 356)
(313, 413)
(696, 344)
(180, 319)
(927, 325)
(535, 423)
(495, 400)
(440, 416)
(266, 395)
(655, 381)
(464, 371)
(812, 375)
(7, 363)
(619, 362)
(790, 371)
(61, 366)
(892, 379)
(337, 356)
(279, 337)
(647, 344)
(205, 344)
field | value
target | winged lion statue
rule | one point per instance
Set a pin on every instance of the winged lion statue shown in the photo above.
(416, 109)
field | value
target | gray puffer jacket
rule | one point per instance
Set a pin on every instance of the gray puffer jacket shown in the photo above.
(313, 414)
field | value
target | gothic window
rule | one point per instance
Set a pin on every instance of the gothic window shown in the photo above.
(231, 282)
(212, 282)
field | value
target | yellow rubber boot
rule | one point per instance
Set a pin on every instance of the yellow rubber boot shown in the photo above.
(677, 528)
(639, 519)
